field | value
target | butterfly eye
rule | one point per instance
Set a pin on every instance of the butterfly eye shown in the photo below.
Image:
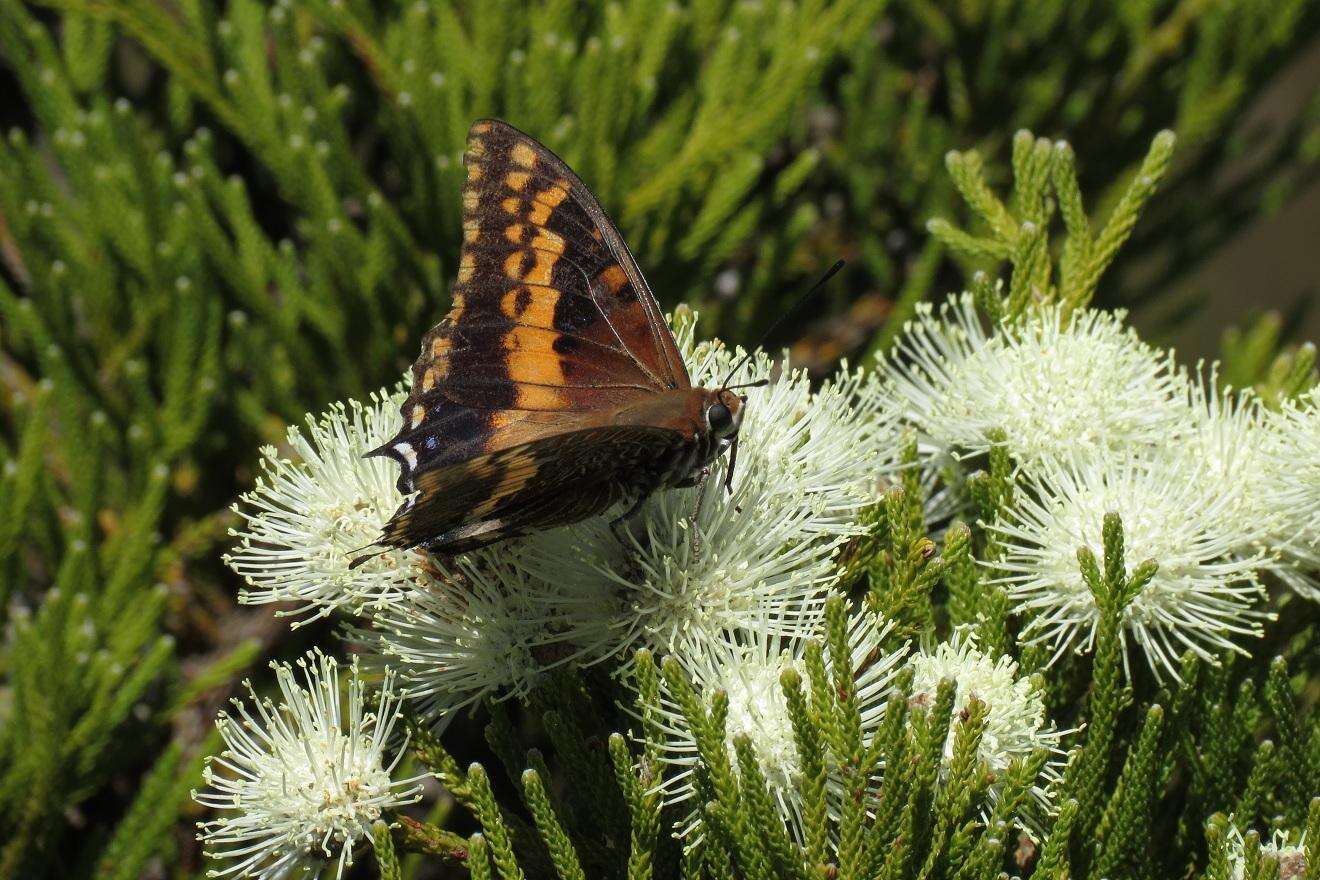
(720, 420)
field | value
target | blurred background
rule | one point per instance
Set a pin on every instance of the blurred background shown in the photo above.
(217, 217)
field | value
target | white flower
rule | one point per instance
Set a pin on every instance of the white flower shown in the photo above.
(310, 512)
(1291, 857)
(750, 675)
(463, 633)
(806, 467)
(1292, 486)
(1052, 384)
(1015, 723)
(1174, 512)
(299, 784)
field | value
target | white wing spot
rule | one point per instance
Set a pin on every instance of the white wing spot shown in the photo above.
(409, 455)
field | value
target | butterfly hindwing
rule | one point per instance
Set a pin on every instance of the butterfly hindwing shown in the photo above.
(546, 483)
(551, 318)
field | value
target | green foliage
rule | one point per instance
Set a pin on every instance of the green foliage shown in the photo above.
(902, 567)
(214, 217)
(962, 77)
(383, 844)
(1253, 359)
(159, 801)
(1044, 175)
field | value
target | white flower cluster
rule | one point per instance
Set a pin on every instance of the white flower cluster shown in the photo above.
(1098, 422)
(749, 675)
(1016, 726)
(1204, 591)
(1051, 385)
(466, 631)
(301, 782)
(315, 506)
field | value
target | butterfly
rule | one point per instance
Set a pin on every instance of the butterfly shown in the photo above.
(553, 389)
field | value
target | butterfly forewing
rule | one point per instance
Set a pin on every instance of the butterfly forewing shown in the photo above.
(552, 329)
(529, 214)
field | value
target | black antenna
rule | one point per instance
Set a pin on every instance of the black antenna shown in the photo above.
(833, 270)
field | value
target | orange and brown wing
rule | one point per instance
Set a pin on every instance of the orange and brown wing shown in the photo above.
(561, 479)
(551, 318)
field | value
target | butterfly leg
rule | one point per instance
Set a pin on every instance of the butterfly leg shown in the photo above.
(694, 534)
(616, 524)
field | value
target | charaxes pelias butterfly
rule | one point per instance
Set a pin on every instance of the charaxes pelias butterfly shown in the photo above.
(553, 389)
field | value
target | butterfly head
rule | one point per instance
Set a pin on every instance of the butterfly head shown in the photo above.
(724, 411)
